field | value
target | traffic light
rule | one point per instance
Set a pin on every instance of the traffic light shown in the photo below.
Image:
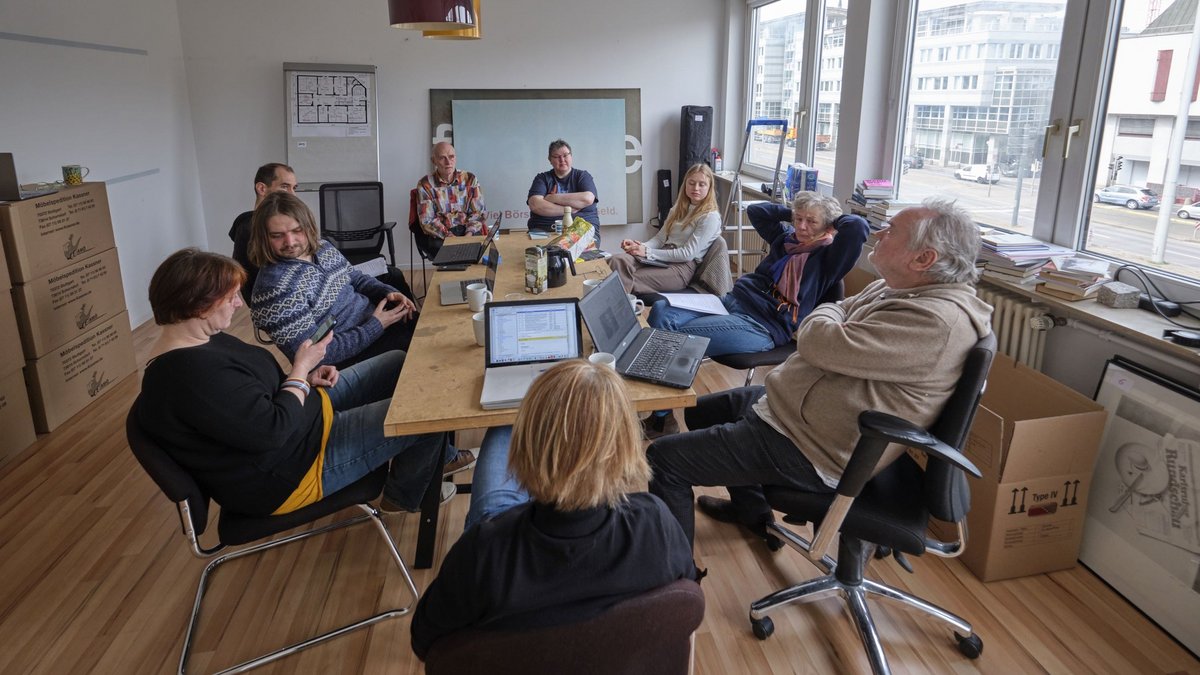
(1120, 162)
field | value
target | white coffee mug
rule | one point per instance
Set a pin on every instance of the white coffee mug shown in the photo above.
(477, 324)
(590, 285)
(477, 295)
(603, 359)
(635, 303)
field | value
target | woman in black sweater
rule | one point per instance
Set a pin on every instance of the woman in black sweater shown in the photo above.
(257, 440)
(583, 542)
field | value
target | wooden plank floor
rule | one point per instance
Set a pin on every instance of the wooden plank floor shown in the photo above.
(95, 577)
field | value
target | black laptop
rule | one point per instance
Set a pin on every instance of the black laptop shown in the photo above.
(658, 356)
(469, 254)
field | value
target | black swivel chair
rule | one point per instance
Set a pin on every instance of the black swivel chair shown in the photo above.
(887, 513)
(352, 220)
(234, 529)
(647, 634)
(776, 356)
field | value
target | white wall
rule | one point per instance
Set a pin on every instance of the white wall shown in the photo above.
(101, 83)
(673, 50)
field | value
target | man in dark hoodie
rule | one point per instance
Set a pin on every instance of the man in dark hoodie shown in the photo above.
(898, 346)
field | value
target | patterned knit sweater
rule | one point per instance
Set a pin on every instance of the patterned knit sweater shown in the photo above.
(292, 296)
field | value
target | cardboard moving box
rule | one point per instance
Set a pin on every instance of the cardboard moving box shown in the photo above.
(70, 377)
(44, 234)
(66, 303)
(10, 356)
(15, 419)
(1035, 440)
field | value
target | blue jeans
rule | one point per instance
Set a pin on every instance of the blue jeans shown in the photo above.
(733, 333)
(493, 489)
(357, 445)
(728, 445)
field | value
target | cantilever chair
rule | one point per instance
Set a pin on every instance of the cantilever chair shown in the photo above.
(647, 634)
(776, 356)
(886, 514)
(236, 529)
(418, 240)
(352, 220)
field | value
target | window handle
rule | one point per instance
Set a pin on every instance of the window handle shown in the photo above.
(1051, 129)
(1072, 130)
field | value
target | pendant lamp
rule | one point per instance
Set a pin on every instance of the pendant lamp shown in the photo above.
(473, 33)
(431, 14)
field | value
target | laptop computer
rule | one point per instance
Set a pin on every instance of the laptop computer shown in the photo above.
(471, 253)
(455, 292)
(523, 339)
(658, 356)
(10, 189)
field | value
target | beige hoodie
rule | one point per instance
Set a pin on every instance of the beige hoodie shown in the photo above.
(898, 351)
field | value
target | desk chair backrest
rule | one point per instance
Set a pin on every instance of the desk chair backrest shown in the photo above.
(649, 633)
(176, 483)
(352, 218)
(947, 495)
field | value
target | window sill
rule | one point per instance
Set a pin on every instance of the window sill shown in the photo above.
(1137, 325)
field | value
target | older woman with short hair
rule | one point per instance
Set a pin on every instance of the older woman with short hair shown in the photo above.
(258, 440)
(557, 532)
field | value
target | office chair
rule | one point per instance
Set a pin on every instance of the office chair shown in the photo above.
(776, 356)
(650, 633)
(887, 514)
(352, 220)
(235, 529)
(418, 240)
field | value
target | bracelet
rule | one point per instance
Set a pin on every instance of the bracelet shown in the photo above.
(296, 384)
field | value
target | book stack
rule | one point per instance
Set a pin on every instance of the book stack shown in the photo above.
(1024, 273)
(1021, 250)
(873, 189)
(1073, 278)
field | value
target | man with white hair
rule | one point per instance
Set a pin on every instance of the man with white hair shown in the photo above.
(898, 346)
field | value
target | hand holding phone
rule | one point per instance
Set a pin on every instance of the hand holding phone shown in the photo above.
(323, 329)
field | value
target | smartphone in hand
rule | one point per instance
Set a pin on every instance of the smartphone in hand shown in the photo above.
(323, 329)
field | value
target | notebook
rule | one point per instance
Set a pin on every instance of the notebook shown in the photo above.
(523, 338)
(455, 292)
(659, 356)
(456, 254)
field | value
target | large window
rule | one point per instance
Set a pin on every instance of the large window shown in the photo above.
(785, 89)
(987, 111)
(1144, 183)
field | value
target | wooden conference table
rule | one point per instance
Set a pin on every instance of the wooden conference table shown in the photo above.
(442, 379)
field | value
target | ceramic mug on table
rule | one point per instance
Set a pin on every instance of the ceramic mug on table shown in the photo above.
(635, 303)
(477, 296)
(477, 324)
(590, 285)
(603, 359)
(73, 174)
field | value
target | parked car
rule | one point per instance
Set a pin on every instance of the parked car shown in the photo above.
(822, 145)
(1128, 196)
(1189, 211)
(913, 162)
(1010, 170)
(980, 173)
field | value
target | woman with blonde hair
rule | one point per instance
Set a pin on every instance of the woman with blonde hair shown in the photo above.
(559, 528)
(673, 254)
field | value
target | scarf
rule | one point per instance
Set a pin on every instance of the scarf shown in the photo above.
(787, 271)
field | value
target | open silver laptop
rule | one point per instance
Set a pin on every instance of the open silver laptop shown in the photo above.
(658, 356)
(523, 339)
(469, 254)
(455, 292)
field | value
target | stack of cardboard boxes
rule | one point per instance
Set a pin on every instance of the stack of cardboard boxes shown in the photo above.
(15, 420)
(69, 302)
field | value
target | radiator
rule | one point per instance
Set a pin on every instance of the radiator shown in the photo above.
(1019, 324)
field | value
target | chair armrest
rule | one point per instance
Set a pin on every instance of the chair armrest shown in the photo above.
(387, 231)
(878, 430)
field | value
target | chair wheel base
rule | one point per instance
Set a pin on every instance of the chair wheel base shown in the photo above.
(773, 543)
(763, 628)
(970, 646)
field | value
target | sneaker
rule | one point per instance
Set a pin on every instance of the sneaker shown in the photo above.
(656, 426)
(464, 460)
(386, 505)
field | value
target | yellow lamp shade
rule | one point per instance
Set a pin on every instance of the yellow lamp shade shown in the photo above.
(473, 33)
